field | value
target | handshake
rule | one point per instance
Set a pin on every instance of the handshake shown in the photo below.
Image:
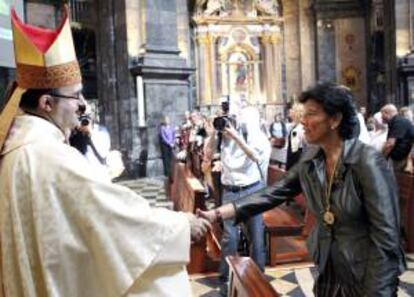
(198, 226)
(201, 223)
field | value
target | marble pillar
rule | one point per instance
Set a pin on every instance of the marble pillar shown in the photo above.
(307, 44)
(213, 69)
(292, 49)
(326, 68)
(202, 70)
(390, 52)
(165, 78)
(276, 41)
(268, 68)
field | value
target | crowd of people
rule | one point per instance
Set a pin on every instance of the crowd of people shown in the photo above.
(388, 130)
(67, 230)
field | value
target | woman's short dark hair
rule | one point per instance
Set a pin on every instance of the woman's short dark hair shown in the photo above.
(30, 98)
(336, 99)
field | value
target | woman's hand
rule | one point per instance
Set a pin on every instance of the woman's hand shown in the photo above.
(209, 215)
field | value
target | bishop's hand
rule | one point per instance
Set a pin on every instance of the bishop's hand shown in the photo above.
(198, 226)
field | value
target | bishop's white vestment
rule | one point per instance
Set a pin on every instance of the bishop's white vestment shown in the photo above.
(66, 231)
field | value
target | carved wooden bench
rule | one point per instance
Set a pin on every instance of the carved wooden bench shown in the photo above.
(187, 194)
(286, 228)
(406, 189)
(246, 280)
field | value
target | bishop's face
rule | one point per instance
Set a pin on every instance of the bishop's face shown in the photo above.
(69, 105)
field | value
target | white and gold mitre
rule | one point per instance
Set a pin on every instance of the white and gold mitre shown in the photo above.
(45, 59)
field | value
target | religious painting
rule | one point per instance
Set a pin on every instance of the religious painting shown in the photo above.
(239, 74)
(350, 77)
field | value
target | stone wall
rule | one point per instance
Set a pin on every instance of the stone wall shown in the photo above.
(351, 61)
(307, 44)
(402, 26)
(40, 14)
(292, 48)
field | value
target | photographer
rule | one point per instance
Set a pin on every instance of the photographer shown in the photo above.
(244, 155)
(92, 140)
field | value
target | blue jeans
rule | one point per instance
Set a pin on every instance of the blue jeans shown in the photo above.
(230, 239)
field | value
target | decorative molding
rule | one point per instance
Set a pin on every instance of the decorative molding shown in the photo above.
(339, 9)
(237, 20)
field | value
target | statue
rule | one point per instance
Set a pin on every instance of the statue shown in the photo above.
(199, 6)
(268, 7)
(214, 6)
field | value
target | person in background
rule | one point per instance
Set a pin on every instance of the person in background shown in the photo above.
(184, 137)
(379, 133)
(363, 131)
(167, 144)
(407, 113)
(278, 134)
(363, 112)
(400, 137)
(92, 140)
(296, 139)
(352, 193)
(244, 159)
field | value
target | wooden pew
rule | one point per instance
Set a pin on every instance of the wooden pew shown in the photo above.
(405, 183)
(187, 194)
(246, 280)
(286, 228)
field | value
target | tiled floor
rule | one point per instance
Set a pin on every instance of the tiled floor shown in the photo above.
(293, 281)
(289, 280)
(151, 189)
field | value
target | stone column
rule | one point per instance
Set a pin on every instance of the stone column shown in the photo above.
(268, 71)
(257, 89)
(106, 68)
(326, 67)
(390, 52)
(277, 68)
(213, 68)
(165, 78)
(292, 46)
(202, 70)
(307, 44)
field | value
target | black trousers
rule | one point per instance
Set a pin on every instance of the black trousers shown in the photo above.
(166, 155)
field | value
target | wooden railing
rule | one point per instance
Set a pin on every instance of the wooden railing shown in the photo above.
(406, 189)
(187, 194)
(246, 280)
(285, 228)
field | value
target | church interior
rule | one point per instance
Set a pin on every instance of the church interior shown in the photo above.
(143, 61)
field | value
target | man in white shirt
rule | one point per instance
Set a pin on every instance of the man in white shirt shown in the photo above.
(245, 155)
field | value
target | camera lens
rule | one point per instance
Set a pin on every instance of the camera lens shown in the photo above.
(85, 122)
(220, 123)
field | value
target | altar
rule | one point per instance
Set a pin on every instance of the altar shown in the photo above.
(239, 53)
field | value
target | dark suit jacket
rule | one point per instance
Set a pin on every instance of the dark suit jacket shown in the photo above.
(365, 203)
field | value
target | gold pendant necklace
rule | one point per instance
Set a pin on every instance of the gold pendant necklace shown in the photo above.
(328, 216)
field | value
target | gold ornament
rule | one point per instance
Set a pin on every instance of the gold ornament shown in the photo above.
(329, 218)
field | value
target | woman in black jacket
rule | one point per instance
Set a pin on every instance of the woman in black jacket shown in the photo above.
(353, 195)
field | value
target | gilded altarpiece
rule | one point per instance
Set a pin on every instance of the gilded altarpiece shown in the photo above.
(239, 50)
